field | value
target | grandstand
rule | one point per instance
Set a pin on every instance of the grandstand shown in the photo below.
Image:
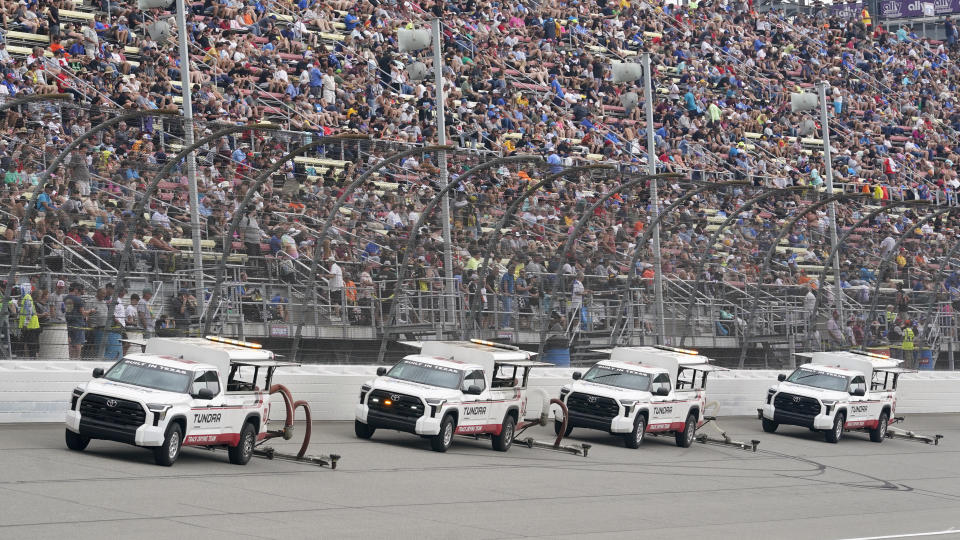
(528, 78)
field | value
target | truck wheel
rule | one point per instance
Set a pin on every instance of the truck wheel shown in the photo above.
(880, 432)
(75, 441)
(168, 452)
(243, 451)
(363, 431)
(769, 426)
(635, 438)
(503, 441)
(833, 434)
(441, 441)
(685, 437)
(557, 424)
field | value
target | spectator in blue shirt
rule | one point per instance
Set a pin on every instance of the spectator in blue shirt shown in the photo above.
(351, 21)
(45, 200)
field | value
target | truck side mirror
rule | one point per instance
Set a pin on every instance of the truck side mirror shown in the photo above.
(204, 393)
(97, 372)
(381, 371)
(858, 391)
(474, 390)
(662, 390)
(782, 377)
(577, 375)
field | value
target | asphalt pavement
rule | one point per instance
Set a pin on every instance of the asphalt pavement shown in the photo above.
(393, 486)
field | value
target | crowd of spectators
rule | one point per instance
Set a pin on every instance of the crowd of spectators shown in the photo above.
(520, 77)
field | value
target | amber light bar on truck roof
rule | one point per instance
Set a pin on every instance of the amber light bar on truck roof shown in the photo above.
(495, 344)
(676, 349)
(238, 343)
(871, 354)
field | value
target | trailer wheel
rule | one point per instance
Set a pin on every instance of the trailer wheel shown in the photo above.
(880, 432)
(503, 441)
(75, 441)
(685, 437)
(167, 453)
(557, 424)
(243, 451)
(635, 438)
(441, 441)
(834, 434)
(769, 426)
(363, 431)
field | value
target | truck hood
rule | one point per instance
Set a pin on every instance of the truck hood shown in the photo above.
(809, 391)
(614, 392)
(415, 389)
(133, 392)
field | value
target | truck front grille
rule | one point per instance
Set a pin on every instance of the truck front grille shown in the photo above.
(395, 404)
(596, 406)
(793, 403)
(113, 411)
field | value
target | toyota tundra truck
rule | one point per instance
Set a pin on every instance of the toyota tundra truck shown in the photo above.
(836, 392)
(450, 388)
(639, 390)
(179, 392)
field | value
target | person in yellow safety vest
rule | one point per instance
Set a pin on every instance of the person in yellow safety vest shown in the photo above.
(28, 322)
(907, 347)
(865, 16)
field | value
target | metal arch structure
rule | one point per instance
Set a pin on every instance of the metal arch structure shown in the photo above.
(241, 211)
(768, 257)
(163, 173)
(415, 233)
(834, 252)
(585, 217)
(42, 179)
(509, 213)
(896, 247)
(712, 240)
(34, 98)
(649, 230)
(328, 223)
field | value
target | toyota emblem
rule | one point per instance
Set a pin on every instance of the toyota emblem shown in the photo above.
(111, 403)
(395, 397)
(796, 399)
(592, 399)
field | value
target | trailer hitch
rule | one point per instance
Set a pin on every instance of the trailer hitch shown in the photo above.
(287, 433)
(321, 461)
(724, 439)
(897, 433)
(575, 449)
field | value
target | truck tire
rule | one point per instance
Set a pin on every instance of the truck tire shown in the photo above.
(243, 451)
(685, 437)
(635, 438)
(503, 441)
(769, 426)
(363, 431)
(557, 424)
(75, 441)
(441, 441)
(879, 433)
(167, 453)
(834, 434)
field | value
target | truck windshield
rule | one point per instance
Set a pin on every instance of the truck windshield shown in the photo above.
(618, 377)
(149, 375)
(819, 379)
(418, 372)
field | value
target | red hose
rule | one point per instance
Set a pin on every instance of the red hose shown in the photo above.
(306, 432)
(563, 426)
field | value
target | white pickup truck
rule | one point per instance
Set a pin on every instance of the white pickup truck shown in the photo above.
(451, 387)
(178, 392)
(836, 392)
(640, 390)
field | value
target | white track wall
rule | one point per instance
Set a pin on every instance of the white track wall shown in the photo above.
(39, 391)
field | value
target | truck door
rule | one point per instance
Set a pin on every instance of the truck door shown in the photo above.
(861, 410)
(662, 408)
(208, 417)
(476, 408)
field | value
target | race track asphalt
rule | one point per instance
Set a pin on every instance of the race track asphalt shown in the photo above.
(393, 486)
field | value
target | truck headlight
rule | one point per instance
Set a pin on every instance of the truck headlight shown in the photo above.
(435, 405)
(363, 391)
(563, 393)
(829, 404)
(627, 405)
(770, 393)
(159, 411)
(77, 394)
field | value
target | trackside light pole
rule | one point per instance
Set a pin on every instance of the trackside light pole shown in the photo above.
(654, 199)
